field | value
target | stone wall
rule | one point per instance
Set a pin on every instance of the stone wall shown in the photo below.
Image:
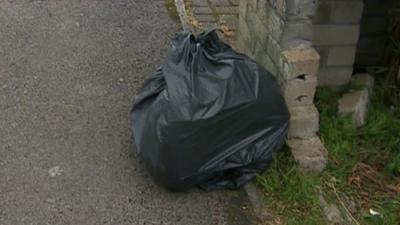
(216, 14)
(278, 35)
(374, 31)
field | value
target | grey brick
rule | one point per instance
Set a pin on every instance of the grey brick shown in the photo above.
(335, 77)
(300, 91)
(304, 121)
(335, 34)
(297, 34)
(339, 12)
(298, 62)
(304, 9)
(310, 154)
(340, 56)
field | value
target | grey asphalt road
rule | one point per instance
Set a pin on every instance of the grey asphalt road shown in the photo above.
(68, 72)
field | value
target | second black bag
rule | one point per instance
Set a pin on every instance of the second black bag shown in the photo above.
(209, 117)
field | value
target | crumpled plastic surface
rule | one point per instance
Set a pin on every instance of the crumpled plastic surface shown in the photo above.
(209, 117)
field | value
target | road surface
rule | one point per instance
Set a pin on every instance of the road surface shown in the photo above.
(68, 72)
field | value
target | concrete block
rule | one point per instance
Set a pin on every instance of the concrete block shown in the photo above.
(340, 56)
(298, 62)
(363, 80)
(300, 91)
(339, 12)
(335, 77)
(355, 103)
(304, 121)
(297, 34)
(297, 10)
(310, 154)
(335, 34)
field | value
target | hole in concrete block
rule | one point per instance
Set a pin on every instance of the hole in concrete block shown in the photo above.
(301, 98)
(301, 77)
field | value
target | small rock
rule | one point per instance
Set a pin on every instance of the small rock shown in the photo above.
(4, 86)
(355, 103)
(121, 80)
(310, 154)
(55, 171)
(331, 211)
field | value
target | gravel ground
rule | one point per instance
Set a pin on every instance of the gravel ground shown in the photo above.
(68, 72)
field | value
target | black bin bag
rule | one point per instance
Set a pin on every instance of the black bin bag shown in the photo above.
(209, 117)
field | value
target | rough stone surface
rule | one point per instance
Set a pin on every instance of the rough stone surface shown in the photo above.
(310, 154)
(297, 34)
(300, 91)
(335, 77)
(304, 121)
(70, 70)
(333, 34)
(340, 56)
(355, 103)
(338, 12)
(300, 62)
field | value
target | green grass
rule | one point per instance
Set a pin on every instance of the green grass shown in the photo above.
(293, 196)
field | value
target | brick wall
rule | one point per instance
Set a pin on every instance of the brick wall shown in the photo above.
(374, 31)
(336, 27)
(278, 35)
